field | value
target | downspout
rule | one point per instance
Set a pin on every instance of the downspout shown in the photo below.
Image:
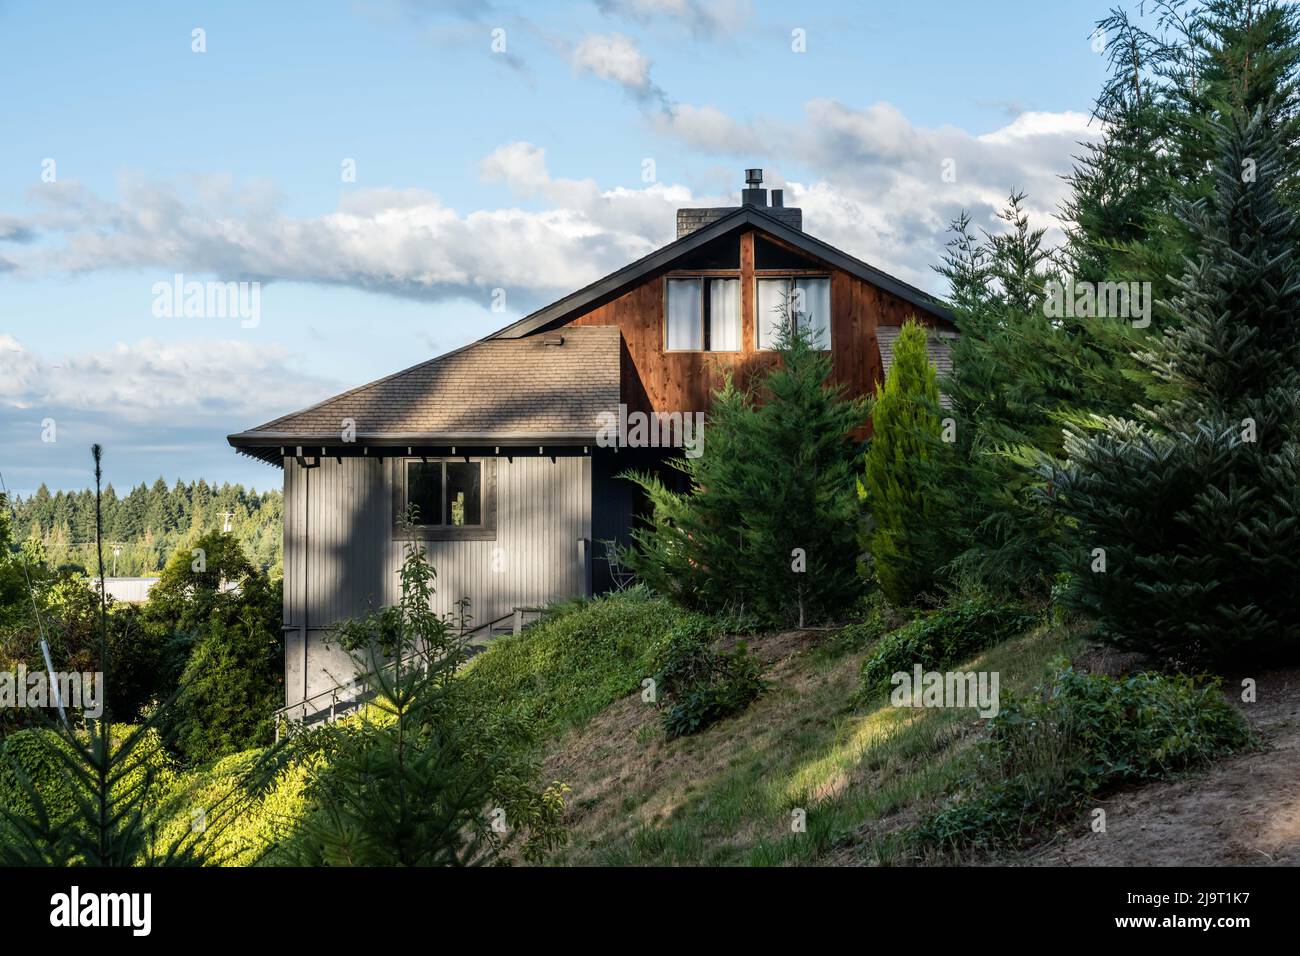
(306, 576)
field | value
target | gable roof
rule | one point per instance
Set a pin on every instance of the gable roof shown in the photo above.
(614, 283)
(494, 390)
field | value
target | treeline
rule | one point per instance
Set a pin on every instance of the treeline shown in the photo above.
(144, 527)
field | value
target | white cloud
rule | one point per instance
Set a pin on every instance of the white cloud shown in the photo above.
(702, 17)
(871, 182)
(615, 57)
(191, 382)
(879, 188)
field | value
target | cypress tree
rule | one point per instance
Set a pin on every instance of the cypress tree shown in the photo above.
(900, 531)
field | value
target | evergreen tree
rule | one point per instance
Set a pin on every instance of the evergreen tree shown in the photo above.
(901, 532)
(1019, 375)
(1188, 522)
(768, 522)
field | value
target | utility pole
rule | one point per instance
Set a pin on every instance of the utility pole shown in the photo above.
(117, 549)
(227, 515)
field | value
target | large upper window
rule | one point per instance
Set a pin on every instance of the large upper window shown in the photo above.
(445, 493)
(797, 301)
(703, 315)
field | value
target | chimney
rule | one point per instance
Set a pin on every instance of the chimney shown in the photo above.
(690, 220)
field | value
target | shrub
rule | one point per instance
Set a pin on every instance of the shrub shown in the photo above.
(581, 657)
(424, 774)
(269, 810)
(1077, 737)
(877, 617)
(230, 688)
(49, 795)
(700, 685)
(941, 638)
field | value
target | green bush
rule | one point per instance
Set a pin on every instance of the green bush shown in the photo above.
(1077, 737)
(876, 617)
(944, 637)
(44, 802)
(230, 689)
(578, 659)
(768, 524)
(701, 686)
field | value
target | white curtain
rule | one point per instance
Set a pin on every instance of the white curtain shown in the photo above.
(724, 315)
(685, 321)
(772, 315)
(813, 297)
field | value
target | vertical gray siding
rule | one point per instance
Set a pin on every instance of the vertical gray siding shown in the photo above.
(341, 555)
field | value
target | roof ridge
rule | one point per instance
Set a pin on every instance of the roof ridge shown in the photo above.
(755, 215)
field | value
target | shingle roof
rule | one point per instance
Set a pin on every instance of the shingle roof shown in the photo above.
(496, 387)
(937, 344)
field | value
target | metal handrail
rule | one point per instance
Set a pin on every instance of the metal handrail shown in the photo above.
(357, 684)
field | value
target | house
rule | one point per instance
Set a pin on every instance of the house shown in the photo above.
(502, 446)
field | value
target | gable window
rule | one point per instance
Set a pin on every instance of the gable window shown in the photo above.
(804, 301)
(702, 315)
(450, 497)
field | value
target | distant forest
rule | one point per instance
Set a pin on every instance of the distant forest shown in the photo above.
(150, 523)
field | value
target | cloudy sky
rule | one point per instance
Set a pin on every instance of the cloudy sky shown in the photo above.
(382, 168)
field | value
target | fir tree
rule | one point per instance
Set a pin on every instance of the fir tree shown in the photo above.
(1188, 522)
(768, 522)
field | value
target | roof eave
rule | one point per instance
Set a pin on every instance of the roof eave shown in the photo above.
(262, 439)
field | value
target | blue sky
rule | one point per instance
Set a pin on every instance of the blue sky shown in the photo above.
(128, 157)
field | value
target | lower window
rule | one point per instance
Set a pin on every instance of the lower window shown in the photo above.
(446, 495)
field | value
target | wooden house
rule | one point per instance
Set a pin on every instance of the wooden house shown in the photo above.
(499, 444)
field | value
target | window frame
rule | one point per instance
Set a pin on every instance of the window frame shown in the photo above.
(704, 277)
(485, 531)
(792, 275)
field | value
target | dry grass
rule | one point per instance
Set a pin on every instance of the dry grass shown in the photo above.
(727, 795)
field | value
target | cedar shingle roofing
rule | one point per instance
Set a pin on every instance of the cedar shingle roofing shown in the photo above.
(496, 388)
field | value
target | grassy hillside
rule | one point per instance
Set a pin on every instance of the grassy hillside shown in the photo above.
(868, 780)
(726, 796)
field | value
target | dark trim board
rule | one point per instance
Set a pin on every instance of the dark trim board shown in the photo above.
(266, 447)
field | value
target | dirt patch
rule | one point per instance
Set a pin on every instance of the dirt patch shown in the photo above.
(1244, 811)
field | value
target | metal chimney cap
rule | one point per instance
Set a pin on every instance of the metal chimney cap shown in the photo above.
(753, 178)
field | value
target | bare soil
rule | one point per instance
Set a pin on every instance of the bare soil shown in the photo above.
(1243, 811)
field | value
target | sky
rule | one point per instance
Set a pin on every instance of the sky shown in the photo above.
(392, 180)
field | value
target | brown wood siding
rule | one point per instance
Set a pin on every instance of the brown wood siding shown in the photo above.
(658, 380)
